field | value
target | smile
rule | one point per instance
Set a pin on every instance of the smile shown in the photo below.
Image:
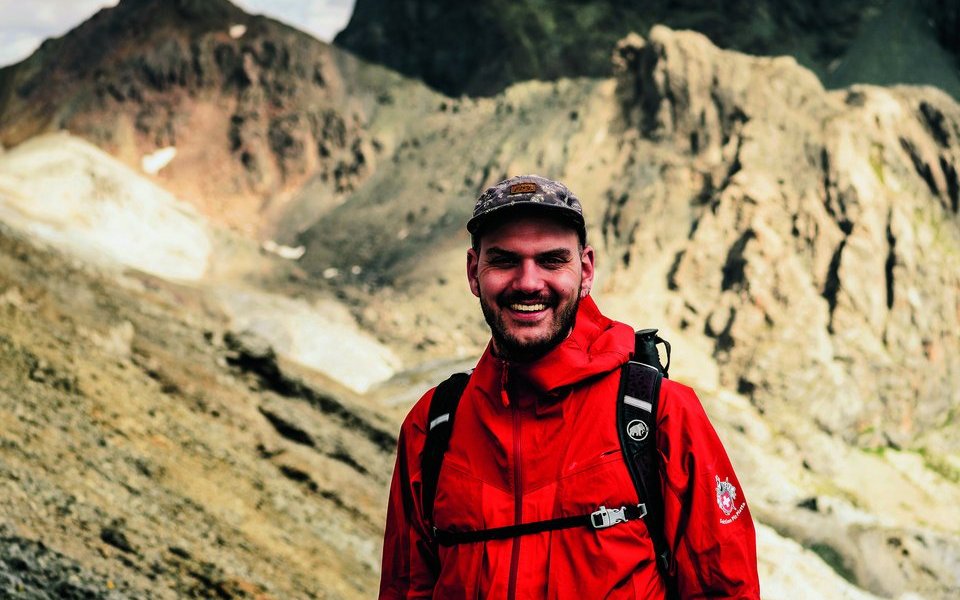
(528, 307)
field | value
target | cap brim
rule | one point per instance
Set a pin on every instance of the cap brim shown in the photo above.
(500, 213)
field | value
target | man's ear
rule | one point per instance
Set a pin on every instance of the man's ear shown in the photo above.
(586, 271)
(473, 264)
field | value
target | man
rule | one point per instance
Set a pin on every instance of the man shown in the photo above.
(534, 440)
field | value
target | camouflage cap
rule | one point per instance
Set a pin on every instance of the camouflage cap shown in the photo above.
(527, 192)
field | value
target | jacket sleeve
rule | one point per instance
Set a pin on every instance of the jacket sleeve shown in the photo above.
(707, 521)
(410, 562)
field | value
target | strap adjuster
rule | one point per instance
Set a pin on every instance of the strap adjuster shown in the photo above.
(605, 517)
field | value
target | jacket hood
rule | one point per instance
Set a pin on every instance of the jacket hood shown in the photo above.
(597, 345)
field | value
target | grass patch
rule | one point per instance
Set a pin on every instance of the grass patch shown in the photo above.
(940, 228)
(940, 465)
(876, 162)
(835, 560)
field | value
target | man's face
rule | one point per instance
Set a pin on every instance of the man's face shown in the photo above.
(529, 275)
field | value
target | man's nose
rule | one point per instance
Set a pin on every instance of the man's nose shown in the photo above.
(529, 278)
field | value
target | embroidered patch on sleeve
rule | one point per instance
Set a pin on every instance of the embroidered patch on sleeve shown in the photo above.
(727, 500)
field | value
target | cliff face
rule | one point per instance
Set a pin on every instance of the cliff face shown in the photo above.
(254, 109)
(482, 47)
(821, 255)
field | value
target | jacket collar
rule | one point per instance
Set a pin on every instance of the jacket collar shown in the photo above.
(597, 345)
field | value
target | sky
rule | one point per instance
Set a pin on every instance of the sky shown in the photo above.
(24, 24)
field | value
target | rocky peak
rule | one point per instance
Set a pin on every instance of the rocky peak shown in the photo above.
(820, 226)
(244, 97)
(94, 44)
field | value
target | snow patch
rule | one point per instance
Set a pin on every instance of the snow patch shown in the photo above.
(789, 571)
(323, 336)
(287, 252)
(74, 196)
(152, 163)
(237, 31)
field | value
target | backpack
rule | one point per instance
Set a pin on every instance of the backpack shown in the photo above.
(636, 425)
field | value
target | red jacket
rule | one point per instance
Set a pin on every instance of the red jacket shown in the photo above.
(539, 441)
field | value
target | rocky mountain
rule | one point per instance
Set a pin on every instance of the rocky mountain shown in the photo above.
(856, 219)
(230, 434)
(482, 47)
(253, 109)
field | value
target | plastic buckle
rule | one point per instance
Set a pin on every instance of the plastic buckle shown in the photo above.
(607, 517)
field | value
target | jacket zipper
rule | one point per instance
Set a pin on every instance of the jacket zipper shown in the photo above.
(518, 504)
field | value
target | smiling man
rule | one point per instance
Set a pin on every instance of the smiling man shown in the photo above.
(529, 275)
(517, 482)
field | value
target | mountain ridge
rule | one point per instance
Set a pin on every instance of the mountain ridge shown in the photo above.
(517, 41)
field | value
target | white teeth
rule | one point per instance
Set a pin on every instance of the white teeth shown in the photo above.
(528, 307)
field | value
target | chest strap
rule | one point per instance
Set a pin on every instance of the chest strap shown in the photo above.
(601, 518)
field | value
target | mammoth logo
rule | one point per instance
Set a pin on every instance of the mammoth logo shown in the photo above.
(637, 430)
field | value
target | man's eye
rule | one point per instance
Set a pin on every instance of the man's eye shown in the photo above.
(552, 262)
(502, 262)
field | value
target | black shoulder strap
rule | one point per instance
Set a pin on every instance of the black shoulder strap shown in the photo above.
(443, 407)
(637, 428)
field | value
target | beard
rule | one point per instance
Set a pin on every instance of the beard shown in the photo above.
(509, 346)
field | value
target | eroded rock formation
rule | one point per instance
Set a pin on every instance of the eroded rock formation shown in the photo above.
(821, 254)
